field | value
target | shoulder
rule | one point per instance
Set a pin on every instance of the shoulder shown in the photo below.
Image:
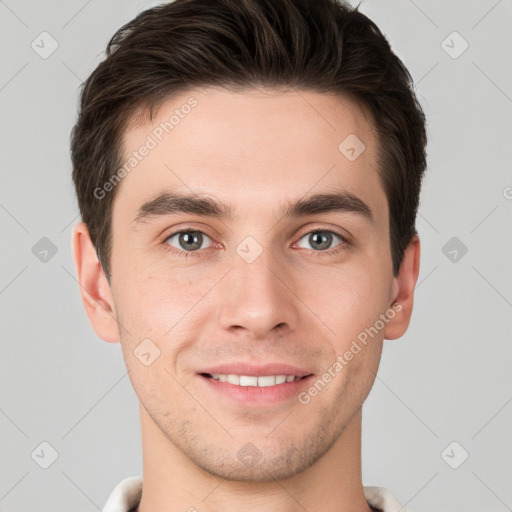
(382, 499)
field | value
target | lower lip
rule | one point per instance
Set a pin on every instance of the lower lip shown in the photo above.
(255, 395)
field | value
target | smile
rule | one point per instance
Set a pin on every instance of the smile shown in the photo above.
(251, 380)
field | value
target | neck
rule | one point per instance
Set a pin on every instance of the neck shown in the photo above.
(172, 482)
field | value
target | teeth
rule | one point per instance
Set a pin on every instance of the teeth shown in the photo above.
(234, 379)
(249, 380)
(266, 380)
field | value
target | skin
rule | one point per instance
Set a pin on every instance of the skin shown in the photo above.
(296, 303)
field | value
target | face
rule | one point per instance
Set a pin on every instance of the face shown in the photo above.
(278, 271)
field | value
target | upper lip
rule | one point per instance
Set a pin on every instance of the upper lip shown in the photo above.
(255, 370)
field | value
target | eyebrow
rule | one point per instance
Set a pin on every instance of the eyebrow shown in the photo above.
(170, 203)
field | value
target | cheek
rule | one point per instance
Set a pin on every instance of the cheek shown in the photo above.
(152, 312)
(347, 300)
(156, 300)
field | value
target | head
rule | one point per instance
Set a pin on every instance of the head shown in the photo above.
(287, 125)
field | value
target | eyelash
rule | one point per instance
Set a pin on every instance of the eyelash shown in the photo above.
(194, 254)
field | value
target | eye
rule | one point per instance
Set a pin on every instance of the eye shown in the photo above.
(321, 239)
(187, 240)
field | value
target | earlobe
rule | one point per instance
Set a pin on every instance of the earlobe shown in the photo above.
(403, 291)
(94, 288)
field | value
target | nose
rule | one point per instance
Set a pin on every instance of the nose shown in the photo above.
(258, 297)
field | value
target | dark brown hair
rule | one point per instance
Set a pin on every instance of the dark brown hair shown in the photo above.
(317, 45)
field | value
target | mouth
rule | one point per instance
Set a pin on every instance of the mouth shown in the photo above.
(253, 380)
(255, 386)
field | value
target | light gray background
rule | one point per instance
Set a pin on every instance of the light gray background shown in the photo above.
(448, 379)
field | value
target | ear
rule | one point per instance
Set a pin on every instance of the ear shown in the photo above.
(403, 291)
(94, 288)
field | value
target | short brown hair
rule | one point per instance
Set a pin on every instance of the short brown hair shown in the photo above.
(318, 45)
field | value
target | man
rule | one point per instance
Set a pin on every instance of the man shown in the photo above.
(248, 174)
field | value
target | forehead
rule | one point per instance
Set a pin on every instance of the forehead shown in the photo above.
(250, 149)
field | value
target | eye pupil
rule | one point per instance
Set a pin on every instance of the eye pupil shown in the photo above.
(191, 240)
(322, 238)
